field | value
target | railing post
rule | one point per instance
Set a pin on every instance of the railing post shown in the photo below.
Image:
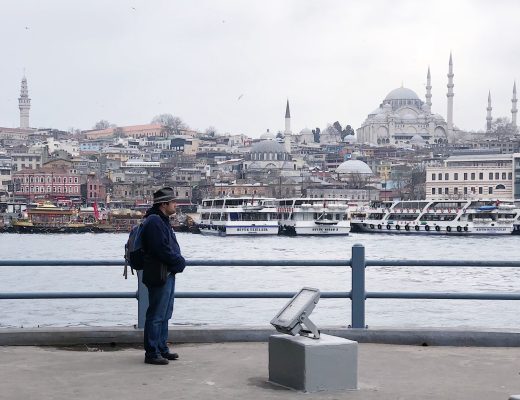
(142, 300)
(358, 286)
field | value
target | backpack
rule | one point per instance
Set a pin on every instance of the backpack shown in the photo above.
(134, 251)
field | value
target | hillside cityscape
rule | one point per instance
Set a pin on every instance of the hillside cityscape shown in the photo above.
(403, 150)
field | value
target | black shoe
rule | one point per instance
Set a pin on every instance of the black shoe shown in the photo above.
(156, 360)
(170, 356)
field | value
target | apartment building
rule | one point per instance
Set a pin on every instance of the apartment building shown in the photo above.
(476, 176)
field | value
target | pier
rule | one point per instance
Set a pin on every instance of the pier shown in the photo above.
(231, 361)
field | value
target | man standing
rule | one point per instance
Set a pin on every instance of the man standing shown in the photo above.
(162, 261)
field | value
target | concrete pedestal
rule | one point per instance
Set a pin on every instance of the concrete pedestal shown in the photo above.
(312, 365)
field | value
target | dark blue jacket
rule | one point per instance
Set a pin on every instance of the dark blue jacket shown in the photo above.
(161, 247)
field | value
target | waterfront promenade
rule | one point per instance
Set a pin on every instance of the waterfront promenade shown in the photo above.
(239, 371)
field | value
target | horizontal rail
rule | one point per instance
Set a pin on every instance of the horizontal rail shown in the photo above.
(192, 263)
(443, 295)
(185, 295)
(442, 263)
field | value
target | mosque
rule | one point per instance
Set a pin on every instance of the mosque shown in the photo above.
(403, 117)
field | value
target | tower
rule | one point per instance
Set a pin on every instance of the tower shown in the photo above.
(489, 118)
(450, 95)
(287, 119)
(24, 104)
(429, 90)
(514, 110)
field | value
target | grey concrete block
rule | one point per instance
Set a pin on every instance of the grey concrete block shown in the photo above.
(310, 365)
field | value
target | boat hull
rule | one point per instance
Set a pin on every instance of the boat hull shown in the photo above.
(242, 230)
(381, 227)
(316, 230)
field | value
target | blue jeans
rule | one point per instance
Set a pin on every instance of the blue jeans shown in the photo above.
(160, 310)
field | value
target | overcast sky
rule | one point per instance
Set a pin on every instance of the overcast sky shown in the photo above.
(232, 64)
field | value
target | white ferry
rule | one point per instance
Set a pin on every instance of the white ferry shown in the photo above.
(237, 216)
(313, 216)
(457, 217)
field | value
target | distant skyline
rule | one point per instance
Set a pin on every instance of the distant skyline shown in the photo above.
(233, 64)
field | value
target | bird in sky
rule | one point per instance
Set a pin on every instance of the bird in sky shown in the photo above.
(239, 97)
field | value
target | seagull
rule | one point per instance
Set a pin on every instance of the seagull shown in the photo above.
(27, 28)
(239, 97)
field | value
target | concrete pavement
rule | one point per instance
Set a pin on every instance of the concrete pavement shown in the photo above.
(239, 371)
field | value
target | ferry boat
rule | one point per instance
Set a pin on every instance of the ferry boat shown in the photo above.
(237, 216)
(455, 217)
(46, 217)
(313, 216)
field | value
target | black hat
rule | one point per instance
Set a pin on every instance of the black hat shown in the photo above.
(163, 195)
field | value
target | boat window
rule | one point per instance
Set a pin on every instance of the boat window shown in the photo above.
(233, 216)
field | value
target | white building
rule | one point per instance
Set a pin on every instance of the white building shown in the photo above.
(403, 117)
(482, 176)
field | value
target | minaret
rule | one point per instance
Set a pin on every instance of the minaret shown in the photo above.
(514, 110)
(287, 119)
(489, 118)
(24, 104)
(450, 95)
(429, 90)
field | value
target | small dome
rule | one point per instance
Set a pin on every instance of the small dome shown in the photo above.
(417, 138)
(438, 116)
(402, 93)
(350, 139)
(267, 146)
(305, 131)
(354, 167)
(267, 135)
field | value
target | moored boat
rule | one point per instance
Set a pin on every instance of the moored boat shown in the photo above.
(456, 217)
(237, 216)
(313, 216)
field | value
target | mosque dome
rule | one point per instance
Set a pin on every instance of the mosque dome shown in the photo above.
(402, 93)
(354, 167)
(417, 139)
(267, 135)
(267, 146)
(305, 131)
(350, 139)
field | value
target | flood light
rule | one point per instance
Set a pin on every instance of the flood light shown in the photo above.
(295, 314)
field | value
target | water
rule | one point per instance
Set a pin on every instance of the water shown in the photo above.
(379, 312)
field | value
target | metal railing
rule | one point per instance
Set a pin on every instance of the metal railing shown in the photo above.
(358, 294)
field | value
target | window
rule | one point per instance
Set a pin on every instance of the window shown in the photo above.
(446, 177)
(440, 177)
(433, 190)
(480, 191)
(497, 175)
(446, 190)
(472, 176)
(491, 176)
(510, 175)
(455, 190)
(503, 175)
(481, 175)
(433, 177)
(456, 176)
(490, 190)
(465, 176)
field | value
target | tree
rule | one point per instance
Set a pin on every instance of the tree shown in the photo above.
(101, 124)
(171, 125)
(119, 132)
(211, 131)
(502, 129)
(279, 135)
